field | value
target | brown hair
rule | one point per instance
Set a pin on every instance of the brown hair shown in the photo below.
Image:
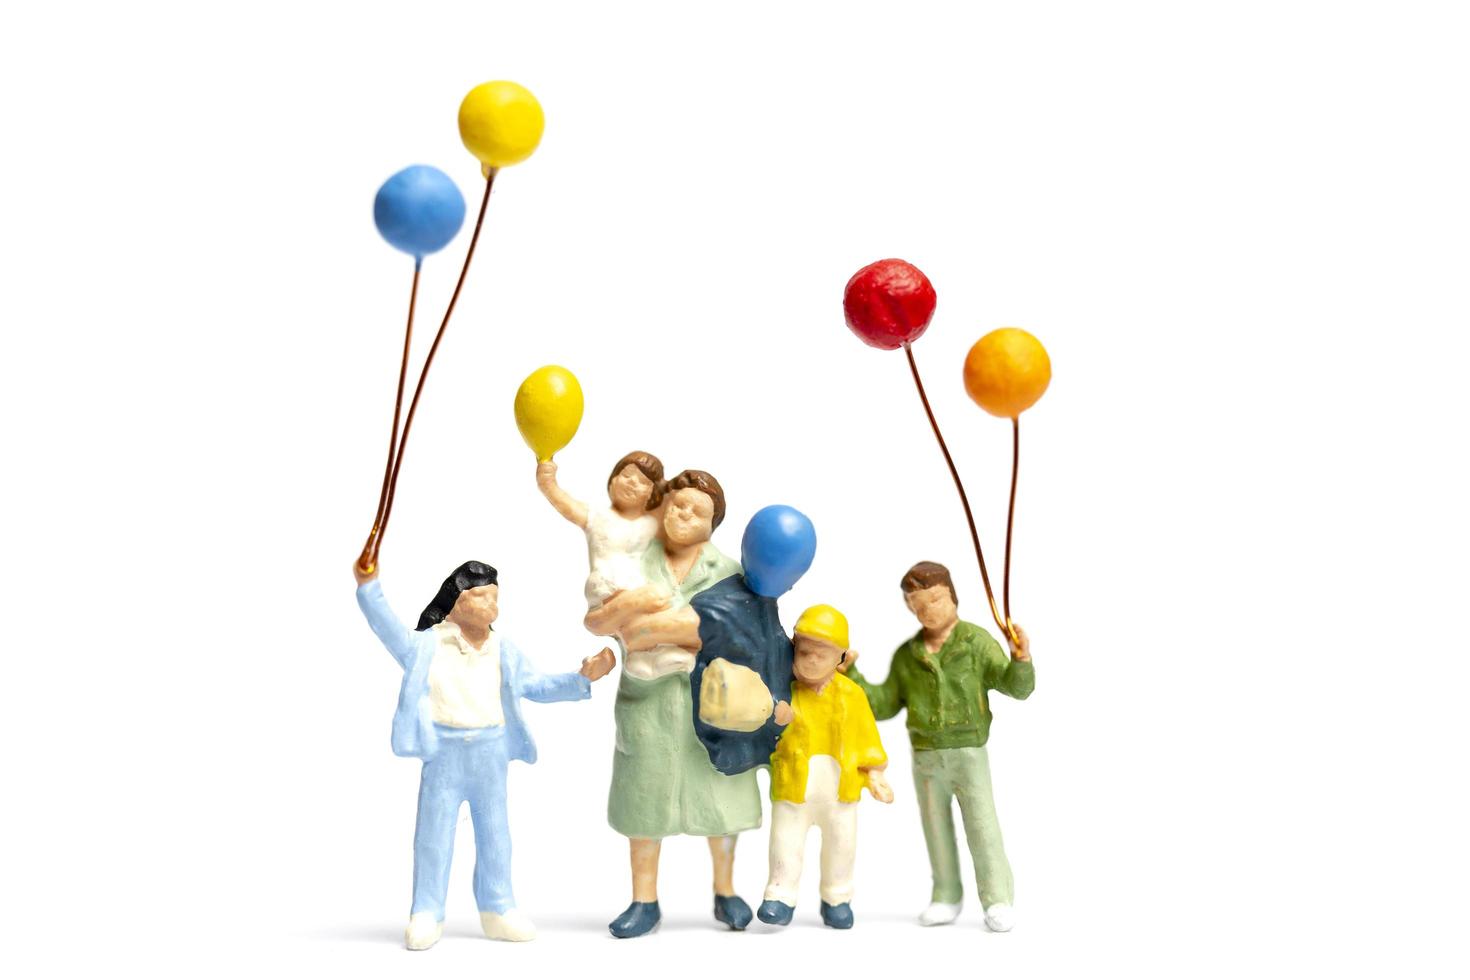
(926, 575)
(704, 482)
(650, 466)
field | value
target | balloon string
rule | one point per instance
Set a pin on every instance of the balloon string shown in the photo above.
(964, 500)
(1011, 520)
(429, 362)
(366, 561)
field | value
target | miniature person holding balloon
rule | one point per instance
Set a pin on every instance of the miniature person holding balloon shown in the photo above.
(888, 305)
(619, 534)
(942, 676)
(459, 711)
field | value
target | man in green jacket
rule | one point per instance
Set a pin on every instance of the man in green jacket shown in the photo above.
(942, 676)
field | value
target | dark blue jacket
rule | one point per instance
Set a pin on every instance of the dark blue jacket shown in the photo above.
(743, 628)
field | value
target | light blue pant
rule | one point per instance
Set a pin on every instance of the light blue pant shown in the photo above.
(469, 767)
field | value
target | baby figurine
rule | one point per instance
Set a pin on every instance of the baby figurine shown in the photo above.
(824, 758)
(618, 535)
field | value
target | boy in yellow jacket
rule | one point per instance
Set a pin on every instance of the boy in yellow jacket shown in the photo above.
(824, 758)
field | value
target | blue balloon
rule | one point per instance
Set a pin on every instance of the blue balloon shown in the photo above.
(419, 210)
(777, 549)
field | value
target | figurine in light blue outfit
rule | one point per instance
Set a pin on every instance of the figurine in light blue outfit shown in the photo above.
(459, 711)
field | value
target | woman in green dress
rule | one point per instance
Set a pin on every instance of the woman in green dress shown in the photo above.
(663, 783)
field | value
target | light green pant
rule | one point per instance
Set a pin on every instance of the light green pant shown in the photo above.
(941, 775)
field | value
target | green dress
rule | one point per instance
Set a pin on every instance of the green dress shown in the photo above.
(662, 781)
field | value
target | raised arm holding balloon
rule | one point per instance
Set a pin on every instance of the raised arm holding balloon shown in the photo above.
(617, 534)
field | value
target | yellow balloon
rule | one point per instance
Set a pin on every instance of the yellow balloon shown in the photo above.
(500, 123)
(548, 410)
(1007, 372)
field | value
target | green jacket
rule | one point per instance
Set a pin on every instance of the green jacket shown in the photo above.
(946, 693)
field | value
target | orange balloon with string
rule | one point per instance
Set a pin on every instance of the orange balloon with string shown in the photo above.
(1007, 371)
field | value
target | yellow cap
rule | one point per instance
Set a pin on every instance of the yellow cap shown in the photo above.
(824, 623)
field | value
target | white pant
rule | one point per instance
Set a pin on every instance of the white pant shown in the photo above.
(838, 823)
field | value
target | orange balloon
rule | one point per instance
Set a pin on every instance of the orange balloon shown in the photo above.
(1007, 371)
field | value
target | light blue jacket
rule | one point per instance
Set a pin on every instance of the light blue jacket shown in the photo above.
(413, 723)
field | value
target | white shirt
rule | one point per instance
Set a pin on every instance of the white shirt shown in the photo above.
(615, 547)
(464, 683)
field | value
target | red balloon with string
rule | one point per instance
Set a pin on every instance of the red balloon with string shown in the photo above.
(888, 304)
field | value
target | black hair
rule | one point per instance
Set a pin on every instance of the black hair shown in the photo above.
(470, 575)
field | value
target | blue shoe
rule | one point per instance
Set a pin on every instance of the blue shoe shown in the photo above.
(837, 916)
(638, 919)
(774, 912)
(732, 911)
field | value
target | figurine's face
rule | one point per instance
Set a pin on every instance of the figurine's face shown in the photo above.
(630, 489)
(476, 608)
(816, 660)
(933, 606)
(689, 516)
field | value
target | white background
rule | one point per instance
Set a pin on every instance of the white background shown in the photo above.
(1239, 228)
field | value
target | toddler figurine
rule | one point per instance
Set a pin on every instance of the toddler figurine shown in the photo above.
(619, 534)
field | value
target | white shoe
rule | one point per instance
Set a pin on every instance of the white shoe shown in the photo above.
(423, 930)
(511, 926)
(939, 914)
(1000, 917)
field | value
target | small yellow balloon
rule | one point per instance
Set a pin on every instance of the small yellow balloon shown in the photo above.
(548, 410)
(500, 123)
(1007, 372)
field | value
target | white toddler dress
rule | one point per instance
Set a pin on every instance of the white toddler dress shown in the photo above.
(615, 547)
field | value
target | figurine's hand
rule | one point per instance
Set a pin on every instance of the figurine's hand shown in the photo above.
(546, 474)
(643, 600)
(637, 632)
(597, 667)
(848, 660)
(621, 608)
(363, 577)
(878, 786)
(1021, 645)
(785, 714)
(649, 599)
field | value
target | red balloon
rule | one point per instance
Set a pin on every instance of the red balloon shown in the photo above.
(888, 303)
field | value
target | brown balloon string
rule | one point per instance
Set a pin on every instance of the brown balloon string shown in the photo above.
(367, 561)
(958, 485)
(1005, 588)
(375, 540)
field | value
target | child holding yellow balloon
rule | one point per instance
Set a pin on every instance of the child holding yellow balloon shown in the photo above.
(617, 535)
(548, 411)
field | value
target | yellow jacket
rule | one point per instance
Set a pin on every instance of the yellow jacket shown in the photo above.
(836, 722)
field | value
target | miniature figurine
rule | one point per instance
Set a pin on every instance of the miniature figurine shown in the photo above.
(825, 757)
(618, 535)
(942, 676)
(459, 711)
(663, 783)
